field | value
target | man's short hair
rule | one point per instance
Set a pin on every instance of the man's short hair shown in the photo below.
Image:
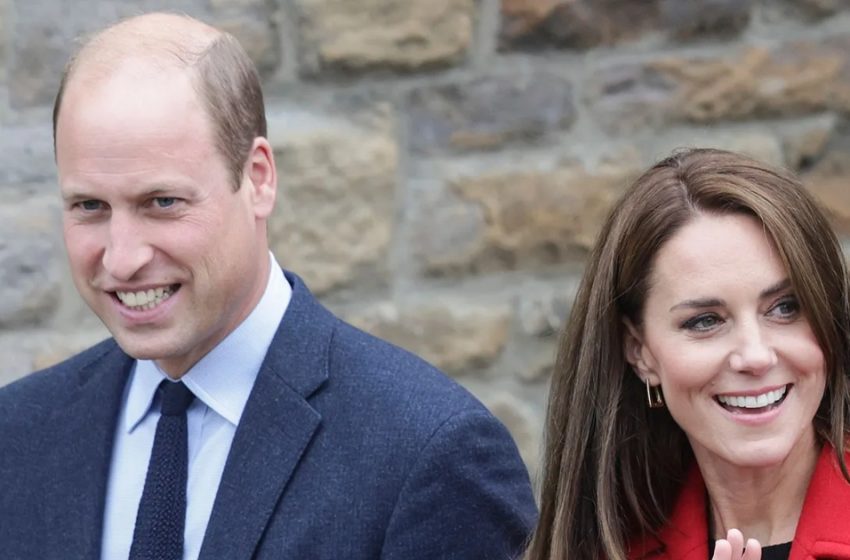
(228, 85)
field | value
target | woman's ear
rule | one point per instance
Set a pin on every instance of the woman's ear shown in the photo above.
(638, 355)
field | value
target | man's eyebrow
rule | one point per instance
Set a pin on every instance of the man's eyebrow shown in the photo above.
(159, 190)
(156, 189)
(76, 195)
(700, 303)
(167, 188)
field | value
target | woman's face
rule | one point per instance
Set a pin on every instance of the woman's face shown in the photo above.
(724, 336)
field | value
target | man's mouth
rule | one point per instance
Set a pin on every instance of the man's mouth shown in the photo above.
(146, 299)
(754, 404)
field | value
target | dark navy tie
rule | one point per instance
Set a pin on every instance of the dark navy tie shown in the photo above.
(162, 510)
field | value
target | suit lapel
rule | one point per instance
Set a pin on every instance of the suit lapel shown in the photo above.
(77, 456)
(275, 429)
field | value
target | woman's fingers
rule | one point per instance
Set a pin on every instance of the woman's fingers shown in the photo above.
(732, 547)
(736, 540)
(753, 550)
(722, 550)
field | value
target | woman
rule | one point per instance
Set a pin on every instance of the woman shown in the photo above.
(700, 394)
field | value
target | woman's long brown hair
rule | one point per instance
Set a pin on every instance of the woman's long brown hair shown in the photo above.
(612, 466)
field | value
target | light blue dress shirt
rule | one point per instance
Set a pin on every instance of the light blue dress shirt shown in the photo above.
(221, 381)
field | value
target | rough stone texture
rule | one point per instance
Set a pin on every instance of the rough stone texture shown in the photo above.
(574, 23)
(805, 143)
(542, 310)
(32, 350)
(626, 97)
(61, 348)
(813, 9)
(4, 38)
(455, 336)
(357, 35)
(793, 79)
(258, 6)
(253, 23)
(17, 357)
(489, 112)
(538, 368)
(583, 24)
(756, 143)
(828, 181)
(824, 7)
(29, 283)
(39, 50)
(336, 198)
(525, 218)
(26, 155)
(449, 247)
(43, 36)
(259, 37)
(701, 17)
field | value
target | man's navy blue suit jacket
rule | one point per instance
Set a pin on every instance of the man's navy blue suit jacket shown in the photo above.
(349, 448)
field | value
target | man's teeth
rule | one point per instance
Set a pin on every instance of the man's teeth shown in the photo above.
(759, 401)
(146, 299)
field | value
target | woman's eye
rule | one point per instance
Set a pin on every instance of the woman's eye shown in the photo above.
(165, 201)
(702, 322)
(786, 307)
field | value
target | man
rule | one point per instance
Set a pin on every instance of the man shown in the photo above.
(231, 416)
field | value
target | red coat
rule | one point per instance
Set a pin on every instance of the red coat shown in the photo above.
(823, 531)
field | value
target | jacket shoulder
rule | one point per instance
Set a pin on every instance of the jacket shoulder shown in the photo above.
(39, 392)
(440, 448)
(377, 369)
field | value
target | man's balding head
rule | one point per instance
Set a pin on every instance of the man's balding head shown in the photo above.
(166, 38)
(223, 75)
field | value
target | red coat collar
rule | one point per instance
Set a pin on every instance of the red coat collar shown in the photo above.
(822, 532)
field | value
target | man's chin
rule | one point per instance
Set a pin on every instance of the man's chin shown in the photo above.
(168, 357)
(143, 350)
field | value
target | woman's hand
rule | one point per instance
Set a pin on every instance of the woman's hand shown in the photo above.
(732, 547)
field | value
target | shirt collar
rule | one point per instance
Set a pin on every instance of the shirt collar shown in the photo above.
(222, 379)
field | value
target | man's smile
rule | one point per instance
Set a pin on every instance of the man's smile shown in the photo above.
(146, 299)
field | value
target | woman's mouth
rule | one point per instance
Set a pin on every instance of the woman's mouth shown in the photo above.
(754, 404)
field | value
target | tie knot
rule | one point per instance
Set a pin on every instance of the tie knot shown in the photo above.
(176, 398)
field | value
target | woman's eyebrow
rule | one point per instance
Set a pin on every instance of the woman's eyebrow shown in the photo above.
(780, 286)
(700, 303)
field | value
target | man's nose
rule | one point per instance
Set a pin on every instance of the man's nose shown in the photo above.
(127, 249)
(753, 353)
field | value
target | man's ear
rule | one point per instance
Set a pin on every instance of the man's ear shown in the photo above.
(638, 355)
(260, 177)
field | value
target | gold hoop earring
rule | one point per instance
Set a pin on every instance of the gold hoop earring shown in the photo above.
(654, 396)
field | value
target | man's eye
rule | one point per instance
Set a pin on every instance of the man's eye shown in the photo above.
(91, 205)
(165, 201)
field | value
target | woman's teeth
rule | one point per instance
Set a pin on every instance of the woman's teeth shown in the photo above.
(753, 401)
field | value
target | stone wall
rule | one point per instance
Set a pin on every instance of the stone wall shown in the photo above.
(445, 164)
